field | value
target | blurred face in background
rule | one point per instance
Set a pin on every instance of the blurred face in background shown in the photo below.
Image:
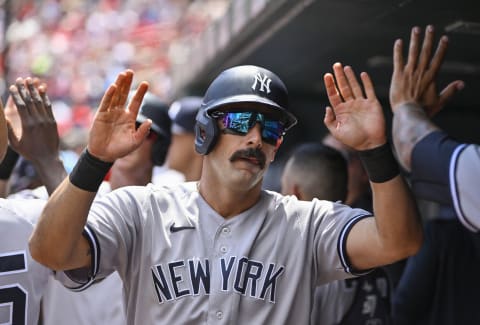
(135, 168)
(183, 157)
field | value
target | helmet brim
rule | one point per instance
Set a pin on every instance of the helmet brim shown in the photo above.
(258, 103)
(158, 130)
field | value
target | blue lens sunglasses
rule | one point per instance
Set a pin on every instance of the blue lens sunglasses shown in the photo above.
(240, 123)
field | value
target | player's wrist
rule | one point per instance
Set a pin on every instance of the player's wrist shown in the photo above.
(89, 172)
(406, 105)
(379, 163)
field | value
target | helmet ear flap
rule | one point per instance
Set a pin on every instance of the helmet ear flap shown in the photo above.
(206, 132)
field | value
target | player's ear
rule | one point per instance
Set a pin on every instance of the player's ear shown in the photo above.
(297, 192)
(279, 142)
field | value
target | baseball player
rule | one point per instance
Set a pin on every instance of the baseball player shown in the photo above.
(183, 163)
(61, 305)
(443, 169)
(22, 280)
(317, 171)
(32, 133)
(222, 250)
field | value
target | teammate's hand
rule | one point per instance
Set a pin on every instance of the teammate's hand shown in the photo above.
(414, 82)
(32, 129)
(355, 120)
(3, 133)
(113, 133)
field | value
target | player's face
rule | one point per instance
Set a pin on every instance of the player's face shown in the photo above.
(240, 160)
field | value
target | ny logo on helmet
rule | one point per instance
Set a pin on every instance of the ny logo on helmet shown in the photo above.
(263, 81)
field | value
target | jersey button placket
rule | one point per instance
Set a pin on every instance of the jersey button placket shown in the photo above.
(223, 236)
(218, 304)
(223, 249)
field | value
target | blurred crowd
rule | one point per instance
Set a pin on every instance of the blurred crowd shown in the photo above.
(78, 47)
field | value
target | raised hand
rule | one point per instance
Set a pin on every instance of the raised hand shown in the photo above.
(354, 119)
(32, 129)
(3, 133)
(414, 81)
(113, 133)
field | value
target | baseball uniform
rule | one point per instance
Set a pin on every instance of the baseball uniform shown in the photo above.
(183, 263)
(22, 280)
(85, 307)
(447, 171)
(362, 300)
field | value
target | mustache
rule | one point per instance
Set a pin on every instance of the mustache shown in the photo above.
(249, 153)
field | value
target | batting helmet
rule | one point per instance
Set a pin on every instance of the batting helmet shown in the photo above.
(243, 87)
(155, 109)
(183, 112)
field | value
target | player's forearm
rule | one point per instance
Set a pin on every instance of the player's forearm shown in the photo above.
(410, 125)
(397, 219)
(57, 239)
(51, 173)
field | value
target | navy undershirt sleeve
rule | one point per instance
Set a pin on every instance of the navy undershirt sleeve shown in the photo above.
(430, 167)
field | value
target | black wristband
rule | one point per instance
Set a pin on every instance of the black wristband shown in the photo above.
(89, 172)
(8, 163)
(379, 163)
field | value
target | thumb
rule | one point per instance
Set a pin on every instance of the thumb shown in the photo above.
(449, 91)
(12, 137)
(142, 131)
(329, 118)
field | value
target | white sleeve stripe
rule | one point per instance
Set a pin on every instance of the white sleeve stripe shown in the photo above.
(454, 189)
(95, 259)
(342, 244)
(82, 287)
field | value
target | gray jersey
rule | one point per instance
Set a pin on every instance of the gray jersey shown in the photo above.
(64, 306)
(100, 304)
(464, 180)
(182, 263)
(22, 280)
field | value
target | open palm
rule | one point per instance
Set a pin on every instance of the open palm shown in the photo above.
(113, 133)
(354, 119)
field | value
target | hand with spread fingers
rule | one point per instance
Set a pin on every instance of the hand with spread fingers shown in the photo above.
(32, 130)
(414, 98)
(413, 82)
(355, 119)
(114, 133)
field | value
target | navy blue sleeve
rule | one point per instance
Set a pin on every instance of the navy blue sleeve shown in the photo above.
(413, 296)
(430, 167)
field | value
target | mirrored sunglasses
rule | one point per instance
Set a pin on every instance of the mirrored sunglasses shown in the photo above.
(241, 122)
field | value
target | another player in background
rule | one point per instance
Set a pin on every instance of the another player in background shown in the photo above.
(32, 132)
(63, 306)
(313, 171)
(436, 161)
(137, 167)
(223, 250)
(316, 171)
(183, 163)
(439, 284)
(359, 194)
